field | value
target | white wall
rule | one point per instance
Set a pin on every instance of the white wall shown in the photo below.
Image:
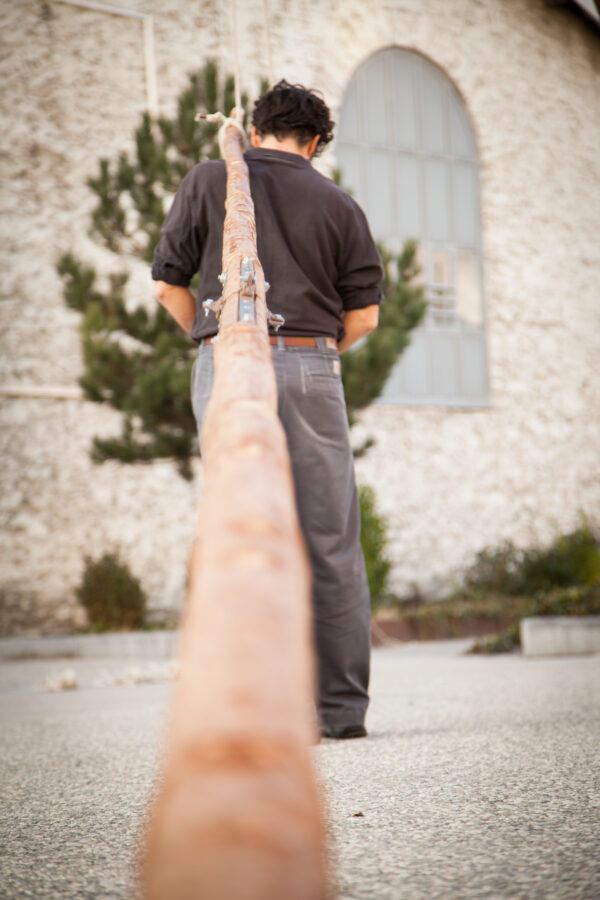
(449, 481)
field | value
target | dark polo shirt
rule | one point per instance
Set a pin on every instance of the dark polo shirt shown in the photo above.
(313, 239)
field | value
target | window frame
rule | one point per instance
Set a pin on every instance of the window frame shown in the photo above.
(456, 157)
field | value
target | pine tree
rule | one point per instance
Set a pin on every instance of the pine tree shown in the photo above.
(366, 369)
(140, 362)
(373, 541)
(165, 151)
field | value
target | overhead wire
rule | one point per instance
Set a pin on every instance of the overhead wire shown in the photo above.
(268, 40)
(236, 57)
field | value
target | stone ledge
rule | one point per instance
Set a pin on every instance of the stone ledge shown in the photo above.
(560, 635)
(129, 644)
(41, 392)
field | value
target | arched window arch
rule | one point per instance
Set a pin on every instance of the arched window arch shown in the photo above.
(407, 152)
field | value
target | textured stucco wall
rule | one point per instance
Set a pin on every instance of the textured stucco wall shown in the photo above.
(449, 482)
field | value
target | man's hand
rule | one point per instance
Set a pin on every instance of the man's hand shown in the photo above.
(178, 301)
(357, 324)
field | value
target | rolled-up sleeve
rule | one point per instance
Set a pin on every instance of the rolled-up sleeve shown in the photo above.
(360, 272)
(179, 250)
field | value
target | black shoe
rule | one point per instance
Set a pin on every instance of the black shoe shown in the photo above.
(343, 732)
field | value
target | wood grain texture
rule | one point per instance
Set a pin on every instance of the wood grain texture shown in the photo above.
(238, 813)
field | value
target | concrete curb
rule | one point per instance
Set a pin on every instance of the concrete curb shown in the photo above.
(130, 644)
(560, 635)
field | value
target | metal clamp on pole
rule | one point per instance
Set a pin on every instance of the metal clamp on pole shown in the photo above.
(246, 310)
(275, 320)
(214, 306)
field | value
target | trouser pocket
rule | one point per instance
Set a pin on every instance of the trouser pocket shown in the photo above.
(201, 383)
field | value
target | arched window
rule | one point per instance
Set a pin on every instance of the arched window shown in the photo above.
(407, 152)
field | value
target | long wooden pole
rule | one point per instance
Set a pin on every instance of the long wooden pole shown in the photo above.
(238, 813)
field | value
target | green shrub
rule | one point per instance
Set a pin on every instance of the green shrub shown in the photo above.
(562, 579)
(572, 559)
(506, 642)
(457, 611)
(496, 570)
(576, 600)
(373, 542)
(112, 596)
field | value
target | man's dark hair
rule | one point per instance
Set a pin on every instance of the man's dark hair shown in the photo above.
(292, 110)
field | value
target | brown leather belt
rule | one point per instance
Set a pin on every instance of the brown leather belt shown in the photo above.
(276, 340)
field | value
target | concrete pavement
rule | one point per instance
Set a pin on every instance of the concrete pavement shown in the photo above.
(480, 778)
(159, 644)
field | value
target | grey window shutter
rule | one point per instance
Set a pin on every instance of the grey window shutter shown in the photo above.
(406, 150)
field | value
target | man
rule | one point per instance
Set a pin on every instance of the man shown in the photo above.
(317, 253)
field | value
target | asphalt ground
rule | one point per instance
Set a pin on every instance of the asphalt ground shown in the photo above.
(480, 777)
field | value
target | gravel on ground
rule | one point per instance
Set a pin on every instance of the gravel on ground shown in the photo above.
(480, 778)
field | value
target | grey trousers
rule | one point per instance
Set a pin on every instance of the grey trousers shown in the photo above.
(312, 409)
